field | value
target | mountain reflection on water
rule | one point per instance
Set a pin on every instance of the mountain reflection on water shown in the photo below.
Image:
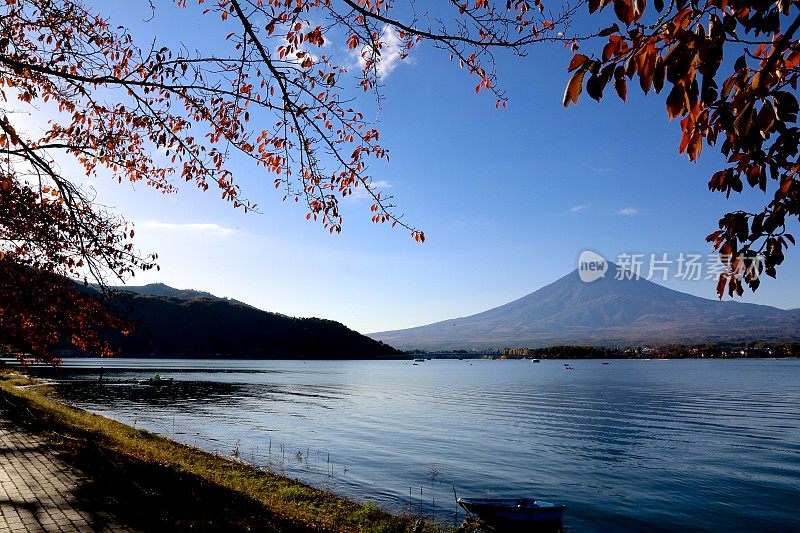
(637, 445)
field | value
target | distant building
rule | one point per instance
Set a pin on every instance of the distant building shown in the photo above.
(515, 351)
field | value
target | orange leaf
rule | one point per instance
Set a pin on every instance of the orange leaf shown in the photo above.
(574, 88)
(577, 61)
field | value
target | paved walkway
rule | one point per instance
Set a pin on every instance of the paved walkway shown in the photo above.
(41, 493)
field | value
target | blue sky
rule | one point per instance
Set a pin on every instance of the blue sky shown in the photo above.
(508, 199)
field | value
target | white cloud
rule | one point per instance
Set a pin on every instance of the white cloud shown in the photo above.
(381, 184)
(391, 52)
(377, 186)
(628, 211)
(206, 228)
(577, 209)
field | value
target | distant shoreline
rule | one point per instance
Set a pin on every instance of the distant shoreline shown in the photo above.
(96, 366)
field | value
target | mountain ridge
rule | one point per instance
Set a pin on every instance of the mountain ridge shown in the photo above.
(604, 312)
(163, 290)
(185, 323)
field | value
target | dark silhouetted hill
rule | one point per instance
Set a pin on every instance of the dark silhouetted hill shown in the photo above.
(192, 324)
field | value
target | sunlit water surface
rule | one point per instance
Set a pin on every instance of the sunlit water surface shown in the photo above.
(648, 445)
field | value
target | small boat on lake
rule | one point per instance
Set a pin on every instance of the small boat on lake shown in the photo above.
(156, 381)
(512, 510)
(536, 361)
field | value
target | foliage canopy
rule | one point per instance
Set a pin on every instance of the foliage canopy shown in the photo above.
(273, 96)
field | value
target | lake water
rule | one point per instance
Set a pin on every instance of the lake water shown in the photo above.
(633, 445)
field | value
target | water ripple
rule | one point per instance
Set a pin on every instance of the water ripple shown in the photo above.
(640, 445)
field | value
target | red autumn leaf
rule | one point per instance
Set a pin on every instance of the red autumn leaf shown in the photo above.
(577, 61)
(574, 88)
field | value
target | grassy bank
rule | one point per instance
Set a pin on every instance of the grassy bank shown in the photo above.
(155, 482)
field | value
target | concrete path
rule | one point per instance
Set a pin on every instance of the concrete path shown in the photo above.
(41, 493)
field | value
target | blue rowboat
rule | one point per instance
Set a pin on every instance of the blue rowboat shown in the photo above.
(512, 510)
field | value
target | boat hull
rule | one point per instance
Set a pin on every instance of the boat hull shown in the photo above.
(513, 510)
